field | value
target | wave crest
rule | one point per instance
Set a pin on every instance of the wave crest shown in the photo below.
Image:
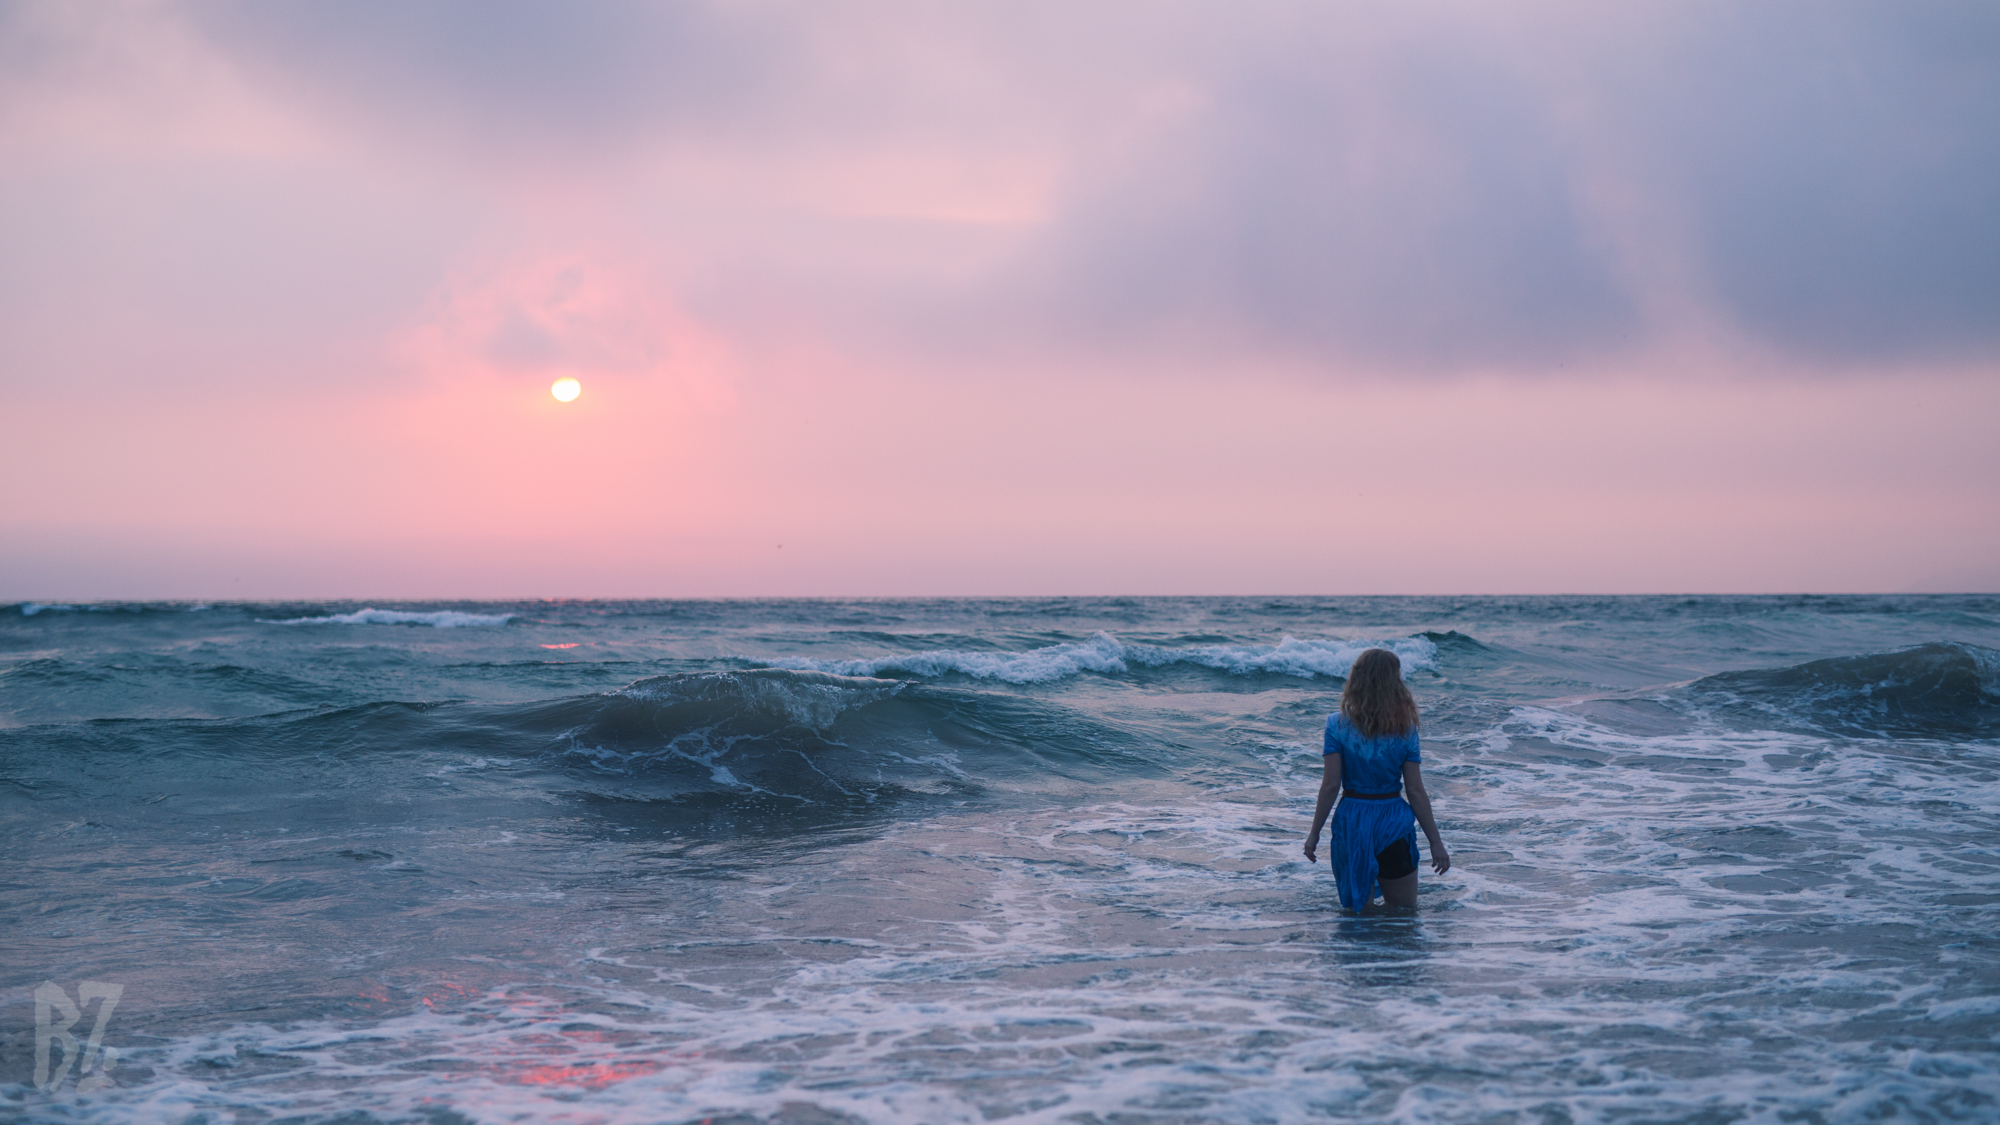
(1107, 655)
(809, 699)
(438, 619)
(1943, 689)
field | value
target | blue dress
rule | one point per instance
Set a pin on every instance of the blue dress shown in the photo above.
(1361, 828)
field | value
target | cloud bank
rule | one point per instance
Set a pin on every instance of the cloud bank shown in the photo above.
(1429, 186)
(948, 290)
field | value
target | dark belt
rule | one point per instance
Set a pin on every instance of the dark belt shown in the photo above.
(1371, 796)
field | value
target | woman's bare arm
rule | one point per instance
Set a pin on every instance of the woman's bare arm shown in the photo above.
(1420, 803)
(1329, 788)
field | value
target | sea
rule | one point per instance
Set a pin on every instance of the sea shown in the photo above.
(825, 862)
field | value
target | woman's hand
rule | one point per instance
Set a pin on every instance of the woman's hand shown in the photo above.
(1420, 803)
(1329, 790)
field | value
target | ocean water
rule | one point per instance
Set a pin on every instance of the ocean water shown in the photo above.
(798, 862)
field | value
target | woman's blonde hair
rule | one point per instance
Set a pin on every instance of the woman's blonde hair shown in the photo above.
(1376, 700)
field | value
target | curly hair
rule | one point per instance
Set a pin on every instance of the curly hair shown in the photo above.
(1376, 700)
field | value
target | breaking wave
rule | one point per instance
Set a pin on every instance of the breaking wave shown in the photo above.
(809, 699)
(440, 619)
(1944, 689)
(33, 609)
(1107, 655)
(678, 750)
(775, 737)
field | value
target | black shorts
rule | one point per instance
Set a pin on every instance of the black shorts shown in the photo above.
(1395, 861)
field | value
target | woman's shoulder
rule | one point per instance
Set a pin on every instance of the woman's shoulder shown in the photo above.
(1339, 726)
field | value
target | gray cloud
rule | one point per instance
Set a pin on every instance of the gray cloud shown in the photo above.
(1827, 176)
(1842, 167)
(507, 77)
(1415, 208)
(1398, 186)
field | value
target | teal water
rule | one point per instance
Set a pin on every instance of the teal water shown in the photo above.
(1715, 859)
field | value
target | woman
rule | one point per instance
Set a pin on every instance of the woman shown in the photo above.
(1371, 744)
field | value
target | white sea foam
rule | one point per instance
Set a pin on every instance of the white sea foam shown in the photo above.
(441, 619)
(1132, 957)
(1620, 917)
(1106, 654)
(30, 609)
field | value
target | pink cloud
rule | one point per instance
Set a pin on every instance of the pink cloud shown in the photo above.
(1144, 302)
(537, 319)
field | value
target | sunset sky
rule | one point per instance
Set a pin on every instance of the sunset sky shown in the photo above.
(998, 298)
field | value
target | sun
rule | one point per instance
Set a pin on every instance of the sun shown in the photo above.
(566, 390)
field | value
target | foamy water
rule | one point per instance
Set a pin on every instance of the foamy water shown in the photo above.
(1714, 860)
